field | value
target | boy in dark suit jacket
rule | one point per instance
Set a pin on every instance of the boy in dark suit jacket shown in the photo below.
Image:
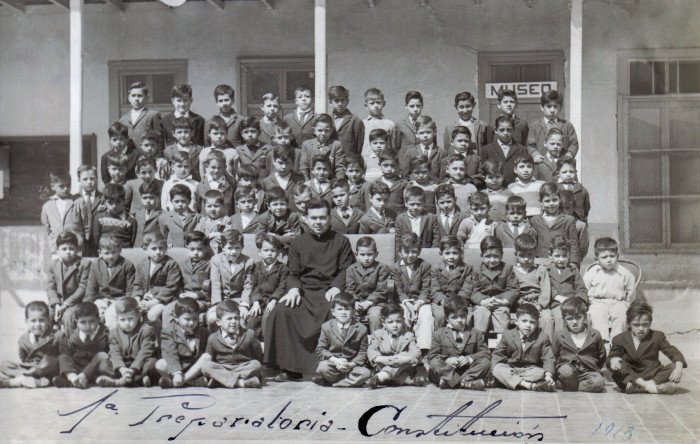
(182, 347)
(414, 219)
(342, 347)
(349, 129)
(268, 282)
(504, 149)
(367, 280)
(458, 355)
(182, 100)
(140, 118)
(411, 276)
(523, 356)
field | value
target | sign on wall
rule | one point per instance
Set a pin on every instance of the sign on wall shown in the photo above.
(524, 90)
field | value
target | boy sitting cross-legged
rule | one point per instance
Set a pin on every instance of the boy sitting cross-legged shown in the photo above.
(393, 352)
(367, 280)
(458, 357)
(342, 347)
(182, 345)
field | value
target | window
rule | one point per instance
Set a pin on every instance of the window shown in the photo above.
(280, 76)
(664, 77)
(158, 75)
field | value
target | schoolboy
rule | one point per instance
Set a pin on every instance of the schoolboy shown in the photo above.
(634, 356)
(278, 219)
(231, 274)
(411, 276)
(405, 134)
(450, 277)
(495, 288)
(461, 143)
(319, 184)
(465, 103)
(86, 207)
(180, 166)
(523, 357)
(448, 215)
(504, 149)
(392, 352)
(415, 220)
(234, 352)
(302, 118)
(507, 102)
(565, 282)
(117, 168)
(249, 176)
(181, 96)
(252, 151)
(425, 133)
(344, 218)
(196, 270)
(579, 350)
(270, 106)
(83, 353)
(478, 225)
(420, 177)
(152, 144)
(546, 170)
(551, 103)
(111, 277)
(348, 127)
(458, 357)
(182, 132)
(567, 203)
(378, 219)
(114, 220)
(552, 222)
(57, 213)
(323, 145)
(145, 172)
(374, 102)
(118, 138)
(38, 351)
(158, 278)
(225, 96)
(378, 142)
(216, 133)
(568, 181)
(175, 223)
(456, 175)
(390, 176)
(367, 281)
(342, 347)
(268, 282)
(132, 348)
(213, 222)
(182, 346)
(283, 174)
(533, 279)
(516, 222)
(496, 191)
(611, 289)
(140, 118)
(525, 184)
(147, 217)
(355, 174)
(245, 219)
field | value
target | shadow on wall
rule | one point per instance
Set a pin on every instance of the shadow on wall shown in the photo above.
(24, 257)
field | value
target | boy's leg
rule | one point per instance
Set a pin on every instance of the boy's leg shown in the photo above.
(374, 315)
(424, 326)
(355, 378)
(568, 375)
(478, 370)
(482, 318)
(590, 381)
(500, 318)
(618, 317)
(328, 371)
(598, 312)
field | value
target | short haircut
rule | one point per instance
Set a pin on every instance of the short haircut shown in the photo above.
(527, 308)
(223, 90)
(605, 244)
(445, 189)
(356, 160)
(127, 304)
(116, 159)
(185, 305)
(182, 123)
(575, 307)
(270, 239)
(413, 95)
(218, 123)
(379, 133)
(151, 187)
(391, 309)
(506, 93)
(345, 300)
(378, 188)
(248, 171)
(195, 236)
(181, 91)
(115, 192)
(516, 204)
(455, 305)
(153, 237)
(554, 132)
(490, 243)
(419, 161)
(231, 236)
(388, 154)
(275, 193)
(84, 168)
(479, 198)
(180, 189)
(321, 158)
(548, 189)
(109, 242)
(303, 88)
(423, 121)
(492, 167)
(366, 242)
(323, 118)
(454, 157)
(450, 241)
(408, 241)
(566, 161)
(464, 95)
(374, 93)
(40, 306)
(57, 175)
(67, 237)
(281, 128)
(145, 160)
(559, 243)
(86, 309)
(338, 92)
(250, 122)
(551, 96)
(525, 243)
(283, 153)
(117, 129)
(215, 195)
(639, 308)
(414, 192)
(502, 119)
(317, 203)
(242, 192)
(523, 158)
(226, 306)
(180, 157)
(460, 129)
(138, 85)
(340, 183)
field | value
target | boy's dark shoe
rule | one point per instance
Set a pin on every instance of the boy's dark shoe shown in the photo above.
(318, 380)
(542, 386)
(419, 381)
(478, 384)
(165, 382)
(61, 381)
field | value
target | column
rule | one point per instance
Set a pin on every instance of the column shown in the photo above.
(320, 56)
(575, 74)
(76, 89)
